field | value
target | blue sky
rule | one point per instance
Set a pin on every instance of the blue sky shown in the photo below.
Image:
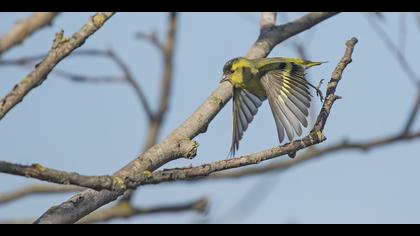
(97, 128)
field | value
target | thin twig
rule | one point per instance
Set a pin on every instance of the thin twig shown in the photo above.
(152, 38)
(124, 210)
(167, 51)
(128, 76)
(408, 70)
(29, 60)
(413, 113)
(37, 189)
(87, 79)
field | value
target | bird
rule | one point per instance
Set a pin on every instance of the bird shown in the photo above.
(280, 80)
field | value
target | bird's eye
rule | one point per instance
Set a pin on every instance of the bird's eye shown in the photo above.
(232, 71)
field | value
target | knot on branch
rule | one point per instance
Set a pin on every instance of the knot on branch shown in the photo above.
(59, 39)
(118, 184)
(187, 148)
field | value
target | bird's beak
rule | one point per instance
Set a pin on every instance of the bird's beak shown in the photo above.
(224, 78)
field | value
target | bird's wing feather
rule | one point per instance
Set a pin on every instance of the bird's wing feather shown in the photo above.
(289, 99)
(245, 106)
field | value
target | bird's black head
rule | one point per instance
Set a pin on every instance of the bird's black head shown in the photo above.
(227, 69)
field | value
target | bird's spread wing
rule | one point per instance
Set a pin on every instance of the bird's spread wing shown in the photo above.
(245, 106)
(289, 98)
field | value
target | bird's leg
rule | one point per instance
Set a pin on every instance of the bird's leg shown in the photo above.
(318, 91)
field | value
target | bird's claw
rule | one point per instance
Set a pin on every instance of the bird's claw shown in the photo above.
(318, 91)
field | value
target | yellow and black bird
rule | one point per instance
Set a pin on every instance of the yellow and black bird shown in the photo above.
(282, 81)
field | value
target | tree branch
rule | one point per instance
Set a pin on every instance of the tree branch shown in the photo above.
(37, 189)
(88, 79)
(25, 28)
(393, 48)
(61, 48)
(315, 154)
(167, 50)
(23, 61)
(132, 82)
(124, 210)
(40, 172)
(168, 149)
(413, 113)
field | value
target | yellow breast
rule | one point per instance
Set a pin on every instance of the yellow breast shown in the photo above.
(251, 84)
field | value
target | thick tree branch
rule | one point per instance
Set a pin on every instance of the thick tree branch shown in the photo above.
(82, 204)
(61, 48)
(25, 28)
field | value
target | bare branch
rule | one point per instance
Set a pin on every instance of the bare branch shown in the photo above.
(169, 148)
(126, 210)
(132, 82)
(37, 189)
(40, 172)
(167, 50)
(152, 38)
(315, 154)
(61, 48)
(413, 113)
(408, 70)
(33, 59)
(25, 28)
(88, 79)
